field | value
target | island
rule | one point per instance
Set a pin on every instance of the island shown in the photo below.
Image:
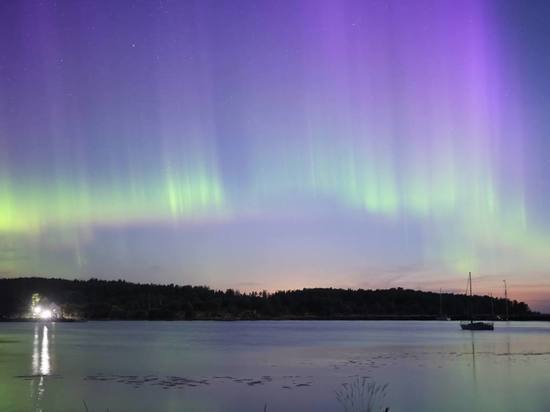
(96, 299)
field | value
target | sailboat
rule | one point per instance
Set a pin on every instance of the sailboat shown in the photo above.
(471, 325)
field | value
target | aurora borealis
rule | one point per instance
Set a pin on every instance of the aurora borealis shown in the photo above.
(277, 144)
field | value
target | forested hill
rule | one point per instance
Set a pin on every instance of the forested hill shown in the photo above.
(100, 299)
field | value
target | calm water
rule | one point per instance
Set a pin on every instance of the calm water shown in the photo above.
(290, 366)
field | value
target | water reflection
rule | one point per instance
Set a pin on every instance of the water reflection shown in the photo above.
(474, 371)
(41, 360)
(41, 364)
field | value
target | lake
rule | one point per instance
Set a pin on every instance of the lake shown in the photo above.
(273, 365)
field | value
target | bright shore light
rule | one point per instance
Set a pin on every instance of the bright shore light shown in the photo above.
(36, 310)
(43, 309)
(46, 314)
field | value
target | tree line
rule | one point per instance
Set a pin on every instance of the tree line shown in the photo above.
(122, 300)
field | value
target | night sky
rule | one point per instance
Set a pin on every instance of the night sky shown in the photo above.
(278, 144)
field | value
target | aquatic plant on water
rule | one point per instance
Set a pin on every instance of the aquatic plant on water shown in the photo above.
(88, 410)
(362, 396)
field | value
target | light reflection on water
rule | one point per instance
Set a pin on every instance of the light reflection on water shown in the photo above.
(41, 361)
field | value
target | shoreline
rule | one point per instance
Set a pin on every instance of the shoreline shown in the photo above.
(542, 318)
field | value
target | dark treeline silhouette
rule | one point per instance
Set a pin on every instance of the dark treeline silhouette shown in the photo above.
(100, 299)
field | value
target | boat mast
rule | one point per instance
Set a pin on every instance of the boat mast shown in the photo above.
(506, 300)
(471, 297)
(440, 304)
